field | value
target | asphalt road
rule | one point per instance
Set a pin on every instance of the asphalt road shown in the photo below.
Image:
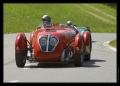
(101, 68)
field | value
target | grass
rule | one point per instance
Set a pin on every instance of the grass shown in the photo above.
(102, 13)
(113, 43)
(106, 8)
(26, 17)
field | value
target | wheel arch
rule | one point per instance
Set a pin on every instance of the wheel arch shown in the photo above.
(20, 41)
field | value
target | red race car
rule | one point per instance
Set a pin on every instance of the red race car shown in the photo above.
(54, 44)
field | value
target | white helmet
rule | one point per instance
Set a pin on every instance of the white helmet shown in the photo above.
(69, 23)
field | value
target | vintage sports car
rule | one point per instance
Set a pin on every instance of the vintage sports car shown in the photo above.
(54, 44)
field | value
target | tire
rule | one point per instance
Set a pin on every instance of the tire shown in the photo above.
(83, 49)
(20, 59)
(77, 60)
(87, 57)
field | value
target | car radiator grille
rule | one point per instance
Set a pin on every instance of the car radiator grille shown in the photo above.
(48, 47)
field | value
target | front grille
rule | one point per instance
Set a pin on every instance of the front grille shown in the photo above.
(48, 47)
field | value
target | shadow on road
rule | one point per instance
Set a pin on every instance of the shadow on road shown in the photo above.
(94, 41)
(89, 64)
(51, 65)
(92, 63)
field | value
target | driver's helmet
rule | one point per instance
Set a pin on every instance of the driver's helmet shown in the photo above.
(69, 23)
(46, 20)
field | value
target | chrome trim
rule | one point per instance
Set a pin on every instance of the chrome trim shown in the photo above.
(63, 55)
(47, 43)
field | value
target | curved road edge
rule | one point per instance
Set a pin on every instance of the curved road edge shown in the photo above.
(106, 44)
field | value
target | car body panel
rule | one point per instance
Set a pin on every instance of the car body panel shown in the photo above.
(64, 35)
(55, 44)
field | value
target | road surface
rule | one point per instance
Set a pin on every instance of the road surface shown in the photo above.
(101, 68)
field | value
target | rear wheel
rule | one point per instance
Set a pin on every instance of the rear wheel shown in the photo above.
(88, 56)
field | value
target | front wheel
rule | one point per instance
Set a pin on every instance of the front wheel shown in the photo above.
(87, 57)
(20, 59)
(78, 60)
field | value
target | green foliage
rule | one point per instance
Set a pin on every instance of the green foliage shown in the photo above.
(26, 17)
(113, 43)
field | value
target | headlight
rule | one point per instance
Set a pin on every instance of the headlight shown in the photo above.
(48, 43)
(53, 41)
(43, 41)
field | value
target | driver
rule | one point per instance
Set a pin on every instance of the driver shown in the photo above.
(46, 21)
(70, 24)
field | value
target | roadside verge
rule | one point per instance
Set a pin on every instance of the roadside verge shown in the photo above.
(106, 44)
